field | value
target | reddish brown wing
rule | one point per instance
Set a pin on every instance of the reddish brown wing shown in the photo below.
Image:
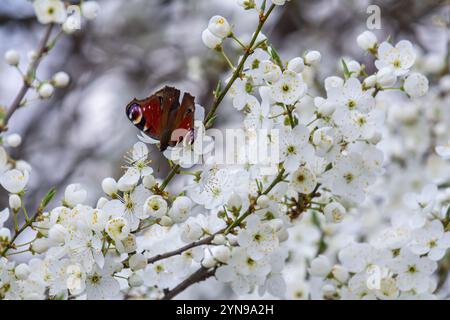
(161, 116)
(183, 123)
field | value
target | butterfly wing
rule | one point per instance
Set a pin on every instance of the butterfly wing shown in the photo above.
(183, 123)
(161, 117)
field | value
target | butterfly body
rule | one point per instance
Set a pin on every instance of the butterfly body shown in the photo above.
(162, 117)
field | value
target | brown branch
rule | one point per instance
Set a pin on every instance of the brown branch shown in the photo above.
(198, 276)
(194, 244)
(28, 78)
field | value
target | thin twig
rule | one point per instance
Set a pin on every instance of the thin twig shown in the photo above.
(198, 276)
(28, 78)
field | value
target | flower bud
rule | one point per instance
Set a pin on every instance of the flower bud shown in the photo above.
(340, 273)
(312, 58)
(5, 235)
(61, 79)
(180, 209)
(101, 202)
(297, 65)
(320, 267)
(221, 253)
(15, 202)
(234, 203)
(367, 40)
(109, 186)
(40, 245)
(165, 221)
(219, 239)
(210, 40)
(57, 233)
(191, 231)
(13, 140)
(12, 57)
(74, 194)
(263, 201)
(149, 181)
(135, 280)
(46, 90)
(370, 81)
(137, 261)
(208, 262)
(386, 77)
(416, 85)
(219, 27)
(22, 271)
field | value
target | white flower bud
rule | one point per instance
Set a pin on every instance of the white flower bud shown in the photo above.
(367, 40)
(61, 79)
(40, 245)
(354, 67)
(370, 81)
(328, 291)
(191, 231)
(32, 55)
(334, 212)
(74, 194)
(320, 267)
(5, 235)
(137, 261)
(386, 77)
(12, 57)
(340, 273)
(219, 239)
(234, 202)
(416, 85)
(312, 58)
(13, 140)
(57, 233)
(109, 186)
(149, 181)
(15, 202)
(297, 65)
(210, 40)
(221, 253)
(22, 271)
(324, 107)
(180, 209)
(166, 221)
(219, 26)
(46, 90)
(208, 262)
(101, 202)
(135, 280)
(444, 83)
(263, 201)
(90, 9)
(155, 207)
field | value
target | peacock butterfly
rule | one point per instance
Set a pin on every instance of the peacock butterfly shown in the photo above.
(162, 117)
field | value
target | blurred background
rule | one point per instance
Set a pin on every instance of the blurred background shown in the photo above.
(135, 47)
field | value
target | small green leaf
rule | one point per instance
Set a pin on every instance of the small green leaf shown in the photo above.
(47, 198)
(275, 57)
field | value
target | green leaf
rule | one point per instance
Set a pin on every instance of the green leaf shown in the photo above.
(47, 198)
(347, 72)
(275, 57)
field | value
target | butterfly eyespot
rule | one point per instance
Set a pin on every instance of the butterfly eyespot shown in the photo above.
(135, 113)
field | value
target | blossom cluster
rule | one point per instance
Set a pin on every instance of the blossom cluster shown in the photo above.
(240, 223)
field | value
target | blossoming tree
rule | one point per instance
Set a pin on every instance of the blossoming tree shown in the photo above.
(247, 225)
